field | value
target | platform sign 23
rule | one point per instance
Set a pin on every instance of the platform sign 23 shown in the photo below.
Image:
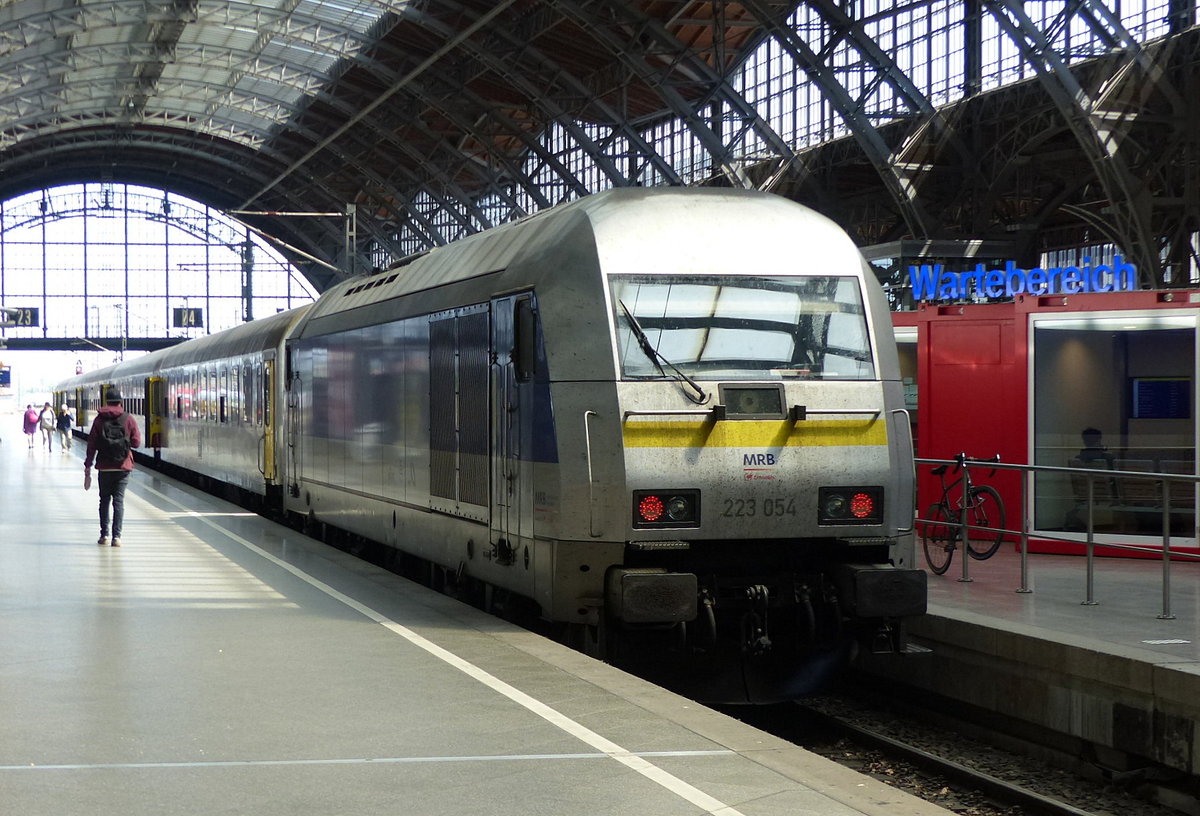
(19, 317)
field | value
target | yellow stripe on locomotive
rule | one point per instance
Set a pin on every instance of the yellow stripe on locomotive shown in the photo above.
(755, 434)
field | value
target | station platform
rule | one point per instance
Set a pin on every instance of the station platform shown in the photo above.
(1115, 683)
(218, 662)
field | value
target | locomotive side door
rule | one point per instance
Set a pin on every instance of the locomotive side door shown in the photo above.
(512, 351)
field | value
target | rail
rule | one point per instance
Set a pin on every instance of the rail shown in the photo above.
(1090, 476)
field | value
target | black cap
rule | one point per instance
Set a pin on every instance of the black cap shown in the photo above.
(113, 395)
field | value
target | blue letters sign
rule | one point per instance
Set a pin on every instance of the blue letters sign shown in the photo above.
(932, 282)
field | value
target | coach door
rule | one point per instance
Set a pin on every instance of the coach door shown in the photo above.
(156, 410)
(267, 401)
(513, 336)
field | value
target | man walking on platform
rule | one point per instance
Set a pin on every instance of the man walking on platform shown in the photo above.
(111, 440)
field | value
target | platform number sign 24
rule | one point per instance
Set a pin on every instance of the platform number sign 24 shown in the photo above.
(187, 318)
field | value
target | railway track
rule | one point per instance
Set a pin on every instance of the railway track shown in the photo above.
(965, 775)
(971, 783)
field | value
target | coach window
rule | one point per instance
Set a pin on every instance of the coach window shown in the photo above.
(235, 395)
(247, 395)
(266, 397)
(260, 399)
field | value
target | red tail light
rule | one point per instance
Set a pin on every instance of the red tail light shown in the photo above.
(850, 505)
(651, 508)
(666, 508)
(862, 505)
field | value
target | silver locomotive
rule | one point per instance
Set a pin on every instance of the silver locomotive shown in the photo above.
(669, 420)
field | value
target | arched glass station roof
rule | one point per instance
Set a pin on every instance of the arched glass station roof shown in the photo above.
(1038, 127)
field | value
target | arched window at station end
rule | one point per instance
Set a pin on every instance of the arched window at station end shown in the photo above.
(102, 271)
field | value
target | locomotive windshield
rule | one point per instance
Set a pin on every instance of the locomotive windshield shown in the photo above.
(741, 327)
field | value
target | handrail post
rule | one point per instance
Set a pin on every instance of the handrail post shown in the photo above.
(964, 528)
(1166, 581)
(1091, 544)
(1024, 588)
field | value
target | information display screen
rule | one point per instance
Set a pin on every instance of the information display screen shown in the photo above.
(1162, 397)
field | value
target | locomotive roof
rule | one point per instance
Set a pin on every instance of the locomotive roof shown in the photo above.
(636, 227)
(621, 211)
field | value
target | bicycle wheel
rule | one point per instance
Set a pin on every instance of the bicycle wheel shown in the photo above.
(938, 539)
(987, 510)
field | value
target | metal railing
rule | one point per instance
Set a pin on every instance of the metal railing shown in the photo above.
(1090, 476)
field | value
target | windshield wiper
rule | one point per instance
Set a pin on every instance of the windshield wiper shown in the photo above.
(657, 358)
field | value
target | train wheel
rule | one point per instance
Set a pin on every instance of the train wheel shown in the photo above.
(938, 539)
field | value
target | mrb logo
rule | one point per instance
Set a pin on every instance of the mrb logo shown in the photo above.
(759, 465)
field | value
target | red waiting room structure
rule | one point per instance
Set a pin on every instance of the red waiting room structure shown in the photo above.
(1027, 377)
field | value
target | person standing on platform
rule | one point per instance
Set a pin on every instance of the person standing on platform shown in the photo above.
(65, 420)
(31, 424)
(46, 422)
(111, 440)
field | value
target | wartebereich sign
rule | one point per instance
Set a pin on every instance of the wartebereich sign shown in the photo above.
(933, 282)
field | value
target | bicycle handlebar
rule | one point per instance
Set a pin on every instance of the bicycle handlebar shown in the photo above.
(962, 459)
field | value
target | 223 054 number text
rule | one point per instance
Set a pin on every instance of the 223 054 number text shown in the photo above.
(749, 508)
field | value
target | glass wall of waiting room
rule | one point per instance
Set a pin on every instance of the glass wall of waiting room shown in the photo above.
(1114, 392)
